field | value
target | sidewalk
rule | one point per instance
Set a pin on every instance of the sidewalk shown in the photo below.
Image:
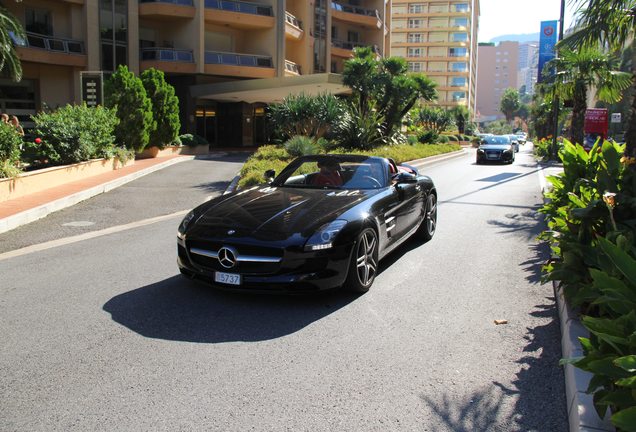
(23, 210)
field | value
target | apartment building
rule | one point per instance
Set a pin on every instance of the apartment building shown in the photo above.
(439, 38)
(527, 70)
(497, 71)
(226, 59)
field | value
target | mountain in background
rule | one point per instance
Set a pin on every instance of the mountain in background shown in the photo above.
(521, 38)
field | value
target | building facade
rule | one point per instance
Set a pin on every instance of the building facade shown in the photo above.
(439, 38)
(527, 71)
(226, 59)
(496, 72)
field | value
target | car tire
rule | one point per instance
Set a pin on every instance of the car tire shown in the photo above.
(364, 262)
(427, 228)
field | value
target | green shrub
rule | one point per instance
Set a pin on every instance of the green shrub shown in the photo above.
(311, 116)
(192, 140)
(125, 92)
(165, 107)
(8, 169)
(75, 133)
(10, 143)
(443, 139)
(411, 139)
(271, 152)
(451, 138)
(300, 146)
(254, 169)
(428, 136)
(355, 130)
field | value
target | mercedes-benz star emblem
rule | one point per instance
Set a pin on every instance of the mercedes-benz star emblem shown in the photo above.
(227, 257)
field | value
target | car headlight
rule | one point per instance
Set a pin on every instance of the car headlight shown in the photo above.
(323, 237)
(184, 224)
(480, 150)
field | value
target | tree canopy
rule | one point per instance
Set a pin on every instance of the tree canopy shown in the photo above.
(10, 30)
(509, 103)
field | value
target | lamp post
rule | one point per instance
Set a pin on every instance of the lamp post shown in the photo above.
(556, 98)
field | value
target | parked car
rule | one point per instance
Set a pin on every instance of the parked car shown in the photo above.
(522, 137)
(514, 140)
(495, 148)
(325, 221)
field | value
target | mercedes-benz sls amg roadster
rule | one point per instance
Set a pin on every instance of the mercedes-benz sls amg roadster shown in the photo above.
(324, 222)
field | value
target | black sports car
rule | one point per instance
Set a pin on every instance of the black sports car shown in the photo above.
(324, 222)
(496, 148)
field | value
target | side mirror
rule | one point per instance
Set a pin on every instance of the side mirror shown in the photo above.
(405, 177)
(269, 175)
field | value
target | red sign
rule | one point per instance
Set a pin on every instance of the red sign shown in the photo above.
(596, 121)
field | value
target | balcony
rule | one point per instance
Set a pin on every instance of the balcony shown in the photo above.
(239, 14)
(239, 65)
(291, 68)
(167, 60)
(40, 48)
(293, 27)
(356, 15)
(345, 49)
(166, 9)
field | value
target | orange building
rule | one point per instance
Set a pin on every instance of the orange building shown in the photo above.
(439, 38)
(226, 59)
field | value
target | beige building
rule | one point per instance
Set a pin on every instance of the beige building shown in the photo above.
(497, 71)
(226, 59)
(439, 38)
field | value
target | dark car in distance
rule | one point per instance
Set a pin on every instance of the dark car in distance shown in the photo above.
(496, 148)
(324, 222)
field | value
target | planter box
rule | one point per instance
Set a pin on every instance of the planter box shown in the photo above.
(36, 181)
(153, 152)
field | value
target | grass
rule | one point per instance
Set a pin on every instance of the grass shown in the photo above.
(277, 158)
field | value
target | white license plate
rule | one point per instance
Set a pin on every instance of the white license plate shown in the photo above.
(227, 278)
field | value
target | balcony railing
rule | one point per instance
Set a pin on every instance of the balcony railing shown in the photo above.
(239, 6)
(50, 43)
(232, 59)
(290, 19)
(177, 2)
(351, 45)
(167, 54)
(292, 67)
(355, 9)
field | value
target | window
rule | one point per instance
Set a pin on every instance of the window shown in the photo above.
(458, 82)
(458, 52)
(415, 67)
(39, 21)
(415, 23)
(460, 22)
(415, 37)
(438, 22)
(437, 37)
(334, 32)
(437, 67)
(459, 37)
(416, 8)
(353, 37)
(438, 8)
(459, 67)
(459, 96)
(113, 19)
(460, 7)
(415, 52)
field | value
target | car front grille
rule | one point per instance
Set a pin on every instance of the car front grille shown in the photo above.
(252, 260)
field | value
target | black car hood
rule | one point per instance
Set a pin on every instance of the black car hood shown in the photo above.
(276, 211)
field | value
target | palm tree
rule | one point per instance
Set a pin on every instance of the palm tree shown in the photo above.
(613, 24)
(578, 71)
(10, 29)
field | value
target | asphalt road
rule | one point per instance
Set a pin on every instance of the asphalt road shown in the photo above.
(102, 334)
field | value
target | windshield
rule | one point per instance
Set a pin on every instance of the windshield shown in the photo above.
(335, 172)
(496, 140)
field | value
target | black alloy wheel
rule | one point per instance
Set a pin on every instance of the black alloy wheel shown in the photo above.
(364, 262)
(426, 231)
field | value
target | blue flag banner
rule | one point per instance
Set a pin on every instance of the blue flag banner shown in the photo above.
(547, 40)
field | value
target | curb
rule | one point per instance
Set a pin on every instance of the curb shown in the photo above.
(582, 416)
(43, 210)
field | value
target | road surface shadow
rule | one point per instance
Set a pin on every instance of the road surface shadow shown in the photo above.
(217, 186)
(183, 310)
(537, 391)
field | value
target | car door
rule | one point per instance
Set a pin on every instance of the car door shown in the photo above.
(409, 211)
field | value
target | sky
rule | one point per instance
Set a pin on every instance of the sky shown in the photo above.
(501, 17)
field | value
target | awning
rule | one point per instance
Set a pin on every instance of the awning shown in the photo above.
(270, 90)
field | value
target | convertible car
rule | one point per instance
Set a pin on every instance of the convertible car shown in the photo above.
(324, 222)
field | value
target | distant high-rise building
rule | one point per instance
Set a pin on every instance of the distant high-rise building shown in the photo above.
(439, 38)
(528, 63)
(496, 72)
(226, 59)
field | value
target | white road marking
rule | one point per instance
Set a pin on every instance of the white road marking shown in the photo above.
(87, 236)
(79, 224)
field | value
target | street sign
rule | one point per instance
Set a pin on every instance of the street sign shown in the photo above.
(92, 84)
(596, 121)
(547, 40)
(616, 118)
